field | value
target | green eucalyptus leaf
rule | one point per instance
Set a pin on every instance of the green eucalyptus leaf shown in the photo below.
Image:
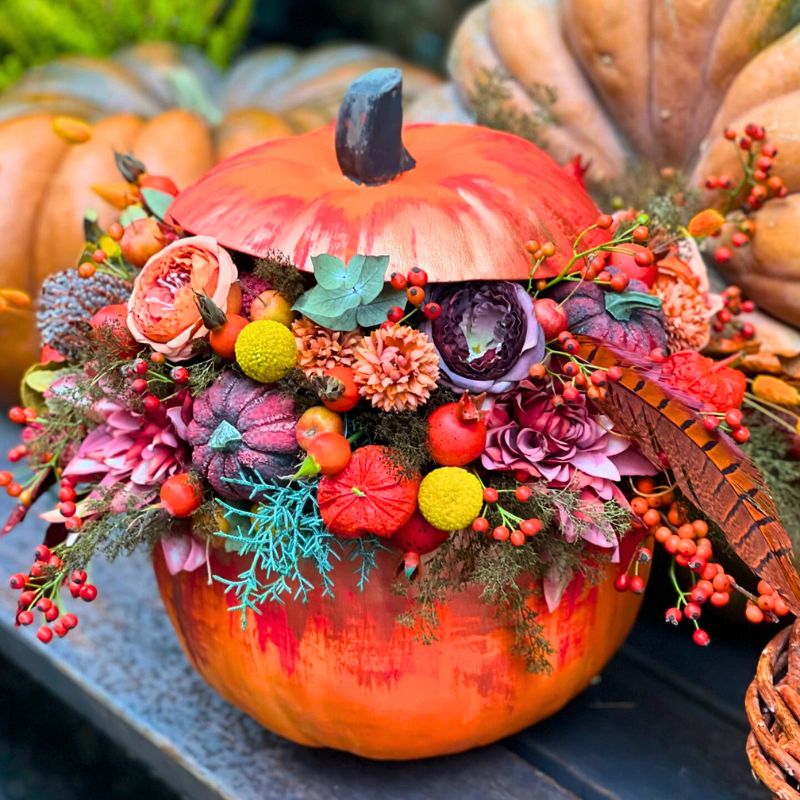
(330, 272)
(158, 202)
(345, 321)
(331, 309)
(374, 313)
(622, 304)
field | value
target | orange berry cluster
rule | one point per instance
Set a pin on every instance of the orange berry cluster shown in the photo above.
(512, 528)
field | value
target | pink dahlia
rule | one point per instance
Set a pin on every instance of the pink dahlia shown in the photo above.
(129, 454)
(564, 446)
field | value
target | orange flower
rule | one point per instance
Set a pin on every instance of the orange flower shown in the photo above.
(162, 311)
(706, 222)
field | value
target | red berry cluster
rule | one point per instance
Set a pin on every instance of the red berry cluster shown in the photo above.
(757, 184)
(686, 541)
(147, 380)
(66, 505)
(414, 283)
(726, 322)
(570, 378)
(512, 528)
(39, 593)
(730, 422)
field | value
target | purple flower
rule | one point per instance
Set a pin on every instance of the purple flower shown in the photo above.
(487, 335)
(564, 445)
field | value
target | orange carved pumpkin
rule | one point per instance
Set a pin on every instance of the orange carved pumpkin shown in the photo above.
(167, 105)
(342, 672)
(657, 81)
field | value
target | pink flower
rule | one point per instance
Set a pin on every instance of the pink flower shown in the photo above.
(162, 311)
(129, 455)
(564, 446)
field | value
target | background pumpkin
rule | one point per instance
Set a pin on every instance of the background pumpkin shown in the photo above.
(651, 80)
(169, 106)
(341, 672)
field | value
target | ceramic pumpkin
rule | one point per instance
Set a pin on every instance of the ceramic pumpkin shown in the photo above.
(341, 672)
(169, 106)
(461, 202)
(657, 81)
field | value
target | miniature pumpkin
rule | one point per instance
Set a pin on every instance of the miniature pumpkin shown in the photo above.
(460, 201)
(169, 106)
(370, 495)
(240, 426)
(340, 671)
(659, 81)
(631, 320)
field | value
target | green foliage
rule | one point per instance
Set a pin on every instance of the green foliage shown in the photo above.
(34, 31)
(348, 296)
(281, 275)
(493, 102)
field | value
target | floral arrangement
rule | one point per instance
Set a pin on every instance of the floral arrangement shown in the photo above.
(506, 434)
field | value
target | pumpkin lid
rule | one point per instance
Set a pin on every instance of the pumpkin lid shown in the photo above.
(461, 201)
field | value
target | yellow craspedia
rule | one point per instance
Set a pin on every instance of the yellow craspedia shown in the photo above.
(450, 498)
(266, 350)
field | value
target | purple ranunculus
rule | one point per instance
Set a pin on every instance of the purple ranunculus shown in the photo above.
(487, 335)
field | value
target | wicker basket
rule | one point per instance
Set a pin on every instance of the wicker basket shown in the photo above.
(772, 704)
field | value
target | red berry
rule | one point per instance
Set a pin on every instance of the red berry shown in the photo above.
(729, 133)
(645, 555)
(67, 508)
(733, 417)
(699, 595)
(614, 374)
(74, 588)
(571, 346)
(70, 621)
(501, 533)
(480, 525)
(739, 239)
(722, 255)
(711, 182)
(99, 256)
(490, 494)
(571, 394)
(710, 423)
(51, 615)
(55, 562)
(73, 523)
(692, 611)
(432, 310)
(641, 233)
(60, 629)
(25, 617)
(619, 282)
(748, 306)
(637, 584)
(417, 277)
(673, 616)
(769, 150)
(66, 493)
(517, 538)
(17, 415)
(523, 493)
(604, 222)
(26, 598)
(398, 281)
(701, 638)
(741, 435)
(180, 375)
(140, 366)
(139, 386)
(45, 604)
(415, 295)
(622, 582)
(745, 142)
(78, 576)
(530, 527)
(44, 634)
(88, 592)
(17, 580)
(395, 314)
(151, 403)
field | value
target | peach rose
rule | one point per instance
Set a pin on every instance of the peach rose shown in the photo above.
(162, 311)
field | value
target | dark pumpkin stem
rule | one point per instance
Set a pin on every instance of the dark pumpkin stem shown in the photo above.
(369, 143)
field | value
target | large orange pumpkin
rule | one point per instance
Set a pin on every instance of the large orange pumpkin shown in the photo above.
(652, 80)
(172, 109)
(461, 202)
(342, 672)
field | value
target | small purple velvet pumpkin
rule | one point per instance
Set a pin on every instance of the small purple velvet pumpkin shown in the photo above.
(242, 427)
(631, 320)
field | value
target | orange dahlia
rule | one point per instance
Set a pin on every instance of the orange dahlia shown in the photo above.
(396, 368)
(320, 349)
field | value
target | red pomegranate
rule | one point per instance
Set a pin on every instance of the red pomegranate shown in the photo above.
(456, 433)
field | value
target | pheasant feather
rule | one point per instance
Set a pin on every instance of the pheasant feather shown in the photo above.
(711, 471)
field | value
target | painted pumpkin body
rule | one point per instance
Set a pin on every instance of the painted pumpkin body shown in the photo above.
(343, 673)
(649, 80)
(139, 101)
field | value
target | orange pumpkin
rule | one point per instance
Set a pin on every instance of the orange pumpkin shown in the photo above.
(167, 105)
(652, 80)
(342, 672)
